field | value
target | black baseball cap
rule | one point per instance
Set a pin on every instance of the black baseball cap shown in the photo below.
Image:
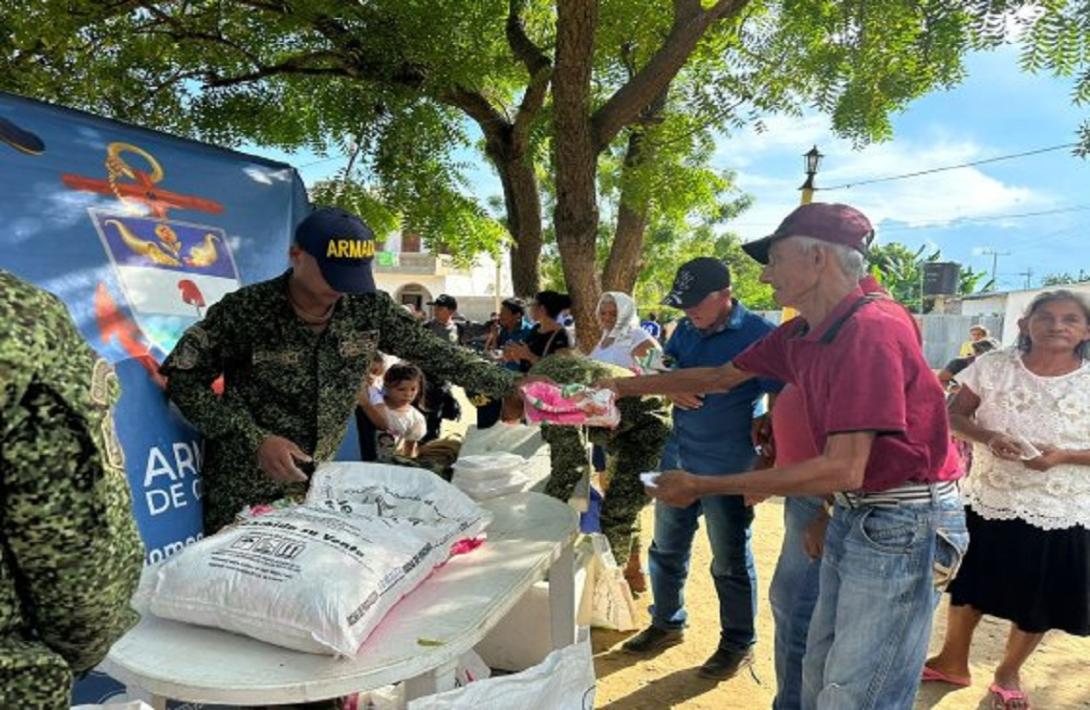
(695, 280)
(445, 301)
(342, 245)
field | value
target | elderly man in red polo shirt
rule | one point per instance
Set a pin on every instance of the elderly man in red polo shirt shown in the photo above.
(876, 413)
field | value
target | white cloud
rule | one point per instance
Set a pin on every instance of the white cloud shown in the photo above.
(770, 168)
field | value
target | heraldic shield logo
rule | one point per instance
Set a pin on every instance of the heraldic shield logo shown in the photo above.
(170, 271)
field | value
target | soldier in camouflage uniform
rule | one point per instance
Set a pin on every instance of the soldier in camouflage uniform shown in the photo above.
(633, 447)
(70, 555)
(293, 352)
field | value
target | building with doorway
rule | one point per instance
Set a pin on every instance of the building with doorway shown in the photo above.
(414, 276)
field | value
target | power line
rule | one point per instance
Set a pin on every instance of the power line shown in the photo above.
(988, 218)
(948, 225)
(319, 162)
(918, 173)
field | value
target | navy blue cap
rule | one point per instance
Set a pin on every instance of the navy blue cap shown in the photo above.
(342, 245)
(697, 279)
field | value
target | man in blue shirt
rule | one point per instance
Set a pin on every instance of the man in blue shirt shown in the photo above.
(651, 326)
(513, 328)
(711, 434)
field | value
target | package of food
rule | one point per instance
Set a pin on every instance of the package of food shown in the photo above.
(573, 405)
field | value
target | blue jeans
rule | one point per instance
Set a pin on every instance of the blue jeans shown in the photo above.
(878, 591)
(728, 522)
(793, 594)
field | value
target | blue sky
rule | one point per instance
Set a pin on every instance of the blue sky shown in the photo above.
(997, 110)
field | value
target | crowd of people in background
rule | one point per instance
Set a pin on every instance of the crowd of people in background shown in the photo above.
(862, 424)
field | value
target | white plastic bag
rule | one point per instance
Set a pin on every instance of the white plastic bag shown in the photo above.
(321, 576)
(483, 476)
(607, 601)
(565, 679)
(479, 467)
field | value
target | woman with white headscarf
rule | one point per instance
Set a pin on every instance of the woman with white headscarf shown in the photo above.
(624, 342)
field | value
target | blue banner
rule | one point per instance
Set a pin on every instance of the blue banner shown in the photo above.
(139, 233)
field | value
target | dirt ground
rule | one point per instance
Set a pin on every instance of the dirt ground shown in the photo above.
(1057, 676)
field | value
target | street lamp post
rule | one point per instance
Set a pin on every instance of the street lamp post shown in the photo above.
(813, 162)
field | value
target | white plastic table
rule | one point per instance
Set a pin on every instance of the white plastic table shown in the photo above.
(531, 535)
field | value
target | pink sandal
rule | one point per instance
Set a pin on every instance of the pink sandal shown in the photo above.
(1004, 698)
(937, 676)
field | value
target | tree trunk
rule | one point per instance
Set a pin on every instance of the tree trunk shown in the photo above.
(626, 252)
(625, 255)
(523, 205)
(575, 160)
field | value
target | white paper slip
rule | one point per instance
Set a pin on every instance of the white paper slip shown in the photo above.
(1029, 451)
(648, 478)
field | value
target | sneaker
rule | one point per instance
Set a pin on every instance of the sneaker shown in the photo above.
(653, 639)
(724, 663)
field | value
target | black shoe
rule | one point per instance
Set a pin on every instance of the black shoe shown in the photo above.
(724, 663)
(653, 639)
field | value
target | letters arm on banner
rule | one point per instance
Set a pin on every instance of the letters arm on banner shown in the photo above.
(401, 335)
(196, 362)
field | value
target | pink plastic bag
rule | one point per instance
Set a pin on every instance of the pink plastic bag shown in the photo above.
(573, 405)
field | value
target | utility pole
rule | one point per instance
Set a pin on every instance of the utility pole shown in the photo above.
(995, 254)
(1028, 273)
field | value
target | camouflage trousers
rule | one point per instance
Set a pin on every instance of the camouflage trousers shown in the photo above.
(633, 447)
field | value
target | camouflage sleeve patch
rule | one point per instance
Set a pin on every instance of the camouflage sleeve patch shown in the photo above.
(197, 360)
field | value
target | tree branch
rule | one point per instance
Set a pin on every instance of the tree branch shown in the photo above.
(524, 48)
(690, 24)
(357, 61)
(292, 65)
(477, 107)
(538, 65)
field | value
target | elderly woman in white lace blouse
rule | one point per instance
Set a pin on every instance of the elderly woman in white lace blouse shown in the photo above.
(1027, 412)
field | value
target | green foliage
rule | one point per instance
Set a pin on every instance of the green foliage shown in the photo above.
(1054, 36)
(318, 75)
(1065, 278)
(380, 76)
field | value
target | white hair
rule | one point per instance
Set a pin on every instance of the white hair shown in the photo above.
(852, 263)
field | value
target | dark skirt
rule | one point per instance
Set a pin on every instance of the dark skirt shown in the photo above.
(1039, 579)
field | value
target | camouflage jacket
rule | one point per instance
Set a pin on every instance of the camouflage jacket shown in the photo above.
(70, 555)
(281, 378)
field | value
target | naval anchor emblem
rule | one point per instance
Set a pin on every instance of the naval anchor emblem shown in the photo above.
(170, 271)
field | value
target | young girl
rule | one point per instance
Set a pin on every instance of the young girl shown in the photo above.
(400, 424)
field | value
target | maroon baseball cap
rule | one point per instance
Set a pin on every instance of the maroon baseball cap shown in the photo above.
(833, 223)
